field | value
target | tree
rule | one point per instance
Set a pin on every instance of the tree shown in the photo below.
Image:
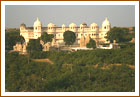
(20, 39)
(133, 29)
(34, 45)
(11, 38)
(46, 37)
(91, 44)
(118, 34)
(69, 37)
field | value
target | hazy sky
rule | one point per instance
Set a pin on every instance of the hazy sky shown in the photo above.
(118, 15)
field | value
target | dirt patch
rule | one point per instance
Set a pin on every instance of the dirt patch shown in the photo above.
(43, 60)
(110, 65)
(131, 66)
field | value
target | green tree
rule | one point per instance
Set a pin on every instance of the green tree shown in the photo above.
(11, 38)
(46, 37)
(91, 44)
(34, 45)
(69, 37)
(20, 39)
(133, 29)
(118, 34)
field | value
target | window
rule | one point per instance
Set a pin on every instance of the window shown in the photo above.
(105, 27)
(36, 28)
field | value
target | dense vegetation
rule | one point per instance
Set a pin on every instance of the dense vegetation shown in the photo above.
(120, 34)
(126, 55)
(95, 70)
(72, 71)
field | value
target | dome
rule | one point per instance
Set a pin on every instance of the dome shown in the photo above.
(37, 22)
(51, 25)
(94, 24)
(63, 25)
(72, 25)
(106, 22)
(23, 25)
(81, 25)
(84, 24)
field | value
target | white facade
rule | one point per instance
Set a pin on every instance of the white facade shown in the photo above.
(93, 31)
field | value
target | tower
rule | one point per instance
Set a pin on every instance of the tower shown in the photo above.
(63, 28)
(105, 28)
(37, 28)
(37, 25)
(106, 25)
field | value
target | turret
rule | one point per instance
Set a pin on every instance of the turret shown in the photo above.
(63, 28)
(94, 27)
(82, 26)
(72, 27)
(22, 27)
(51, 27)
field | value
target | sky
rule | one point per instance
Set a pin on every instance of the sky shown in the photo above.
(118, 15)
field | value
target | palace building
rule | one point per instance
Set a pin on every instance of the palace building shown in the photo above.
(83, 32)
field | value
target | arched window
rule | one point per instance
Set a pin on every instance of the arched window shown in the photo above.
(105, 27)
